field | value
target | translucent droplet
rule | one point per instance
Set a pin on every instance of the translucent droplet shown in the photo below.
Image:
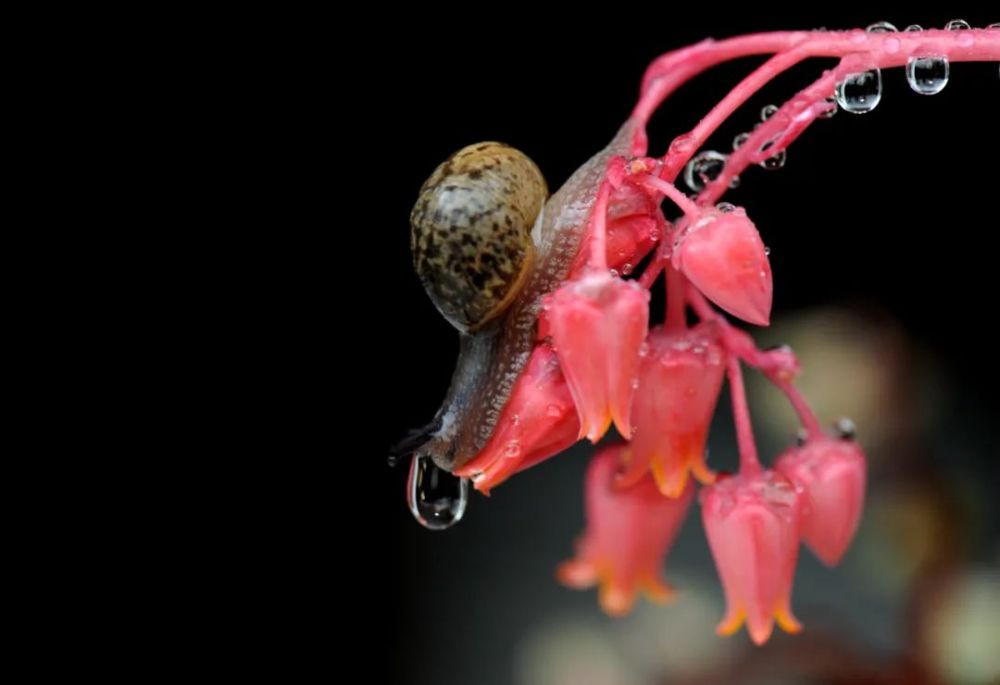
(614, 273)
(881, 27)
(801, 437)
(726, 207)
(512, 449)
(914, 27)
(927, 75)
(831, 109)
(845, 428)
(635, 383)
(703, 168)
(627, 268)
(553, 410)
(643, 349)
(995, 26)
(739, 140)
(767, 251)
(437, 499)
(775, 161)
(734, 182)
(767, 112)
(957, 25)
(861, 92)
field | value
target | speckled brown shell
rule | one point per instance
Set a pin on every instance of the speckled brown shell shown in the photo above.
(471, 231)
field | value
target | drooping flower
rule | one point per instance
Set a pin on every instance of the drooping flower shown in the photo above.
(831, 473)
(597, 324)
(627, 538)
(679, 383)
(537, 422)
(752, 524)
(722, 254)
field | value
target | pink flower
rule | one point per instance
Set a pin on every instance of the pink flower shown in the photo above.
(721, 253)
(597, 324)
(831, 473)
(752, 525)
(537, 422)
(679, 383)
(627, 538)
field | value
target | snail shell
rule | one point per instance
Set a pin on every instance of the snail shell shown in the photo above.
(471, 232)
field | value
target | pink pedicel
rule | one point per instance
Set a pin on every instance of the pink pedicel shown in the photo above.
(752, 524)
(721, 253)
(627, 537)
(595, 361)
(830, 473)
(538, 421)
(597, 325)
(679, 383)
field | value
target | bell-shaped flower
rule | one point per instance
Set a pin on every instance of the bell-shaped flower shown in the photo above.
(679, 383)
(830, 473)
(627, 538)
(597, 324)
(722, 254)
(752, 525)
(537, 422)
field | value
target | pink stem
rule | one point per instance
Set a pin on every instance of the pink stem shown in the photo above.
(676, 285)
(799, 404)
(749, 463)
(690, 209)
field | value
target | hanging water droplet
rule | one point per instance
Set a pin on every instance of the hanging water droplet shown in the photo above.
(627, 268)
(775, 161)
(703, 167)
(914, 27)
(927, 75)
(726, 207)
(957, 25)
(767, 112)
(614, 273)
(734, 182)
(881, 27)
(801, 437)
(767, 251)
(739, 140)
(831, 109)
(861, 92)
(995, 26)
(437, 499)
(845, 428)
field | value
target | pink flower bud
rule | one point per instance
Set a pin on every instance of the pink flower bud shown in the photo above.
(627, 538)
(752, 525)
(597, 325)
(831, 474)
(721, 253)
(537, 422)
(679, 383)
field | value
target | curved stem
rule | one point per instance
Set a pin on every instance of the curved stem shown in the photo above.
(686, 205)
(799, 404)
(599, 222)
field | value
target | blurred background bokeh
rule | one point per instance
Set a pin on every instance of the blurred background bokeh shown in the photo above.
(880, 228)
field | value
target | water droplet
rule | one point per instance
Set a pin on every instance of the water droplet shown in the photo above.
(515, 419)
(512, 449)
(861, 92)
(635, 383)
(703, 167)
(681, 143)
(554, 410)
(927, 75)
(801, 437)
(726, 207)
(767, 112)
(881, 27)
(614, 273)
(775, 161)
(734, 182)
(995, 26)
(627, 268)
(644, 349)
(437, 499)
(845, 428)
(914, 27)
(957, 25)
(654, 234)
(739, 140)
(831, 110)
(767, 251)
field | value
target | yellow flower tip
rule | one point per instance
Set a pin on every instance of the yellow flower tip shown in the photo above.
(730, 623)
(760, 633)
(787, 622)
(594, 432)
(615, 600)
(705, 475)
(657, 591)
(670, 484)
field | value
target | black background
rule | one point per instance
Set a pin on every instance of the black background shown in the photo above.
(896, 208)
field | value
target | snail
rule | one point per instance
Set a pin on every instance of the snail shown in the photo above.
(488, 246)
(471, 232)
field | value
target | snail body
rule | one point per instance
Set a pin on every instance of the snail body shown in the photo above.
(471, 232)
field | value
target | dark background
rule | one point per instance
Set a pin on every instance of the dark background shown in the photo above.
(891, 213)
